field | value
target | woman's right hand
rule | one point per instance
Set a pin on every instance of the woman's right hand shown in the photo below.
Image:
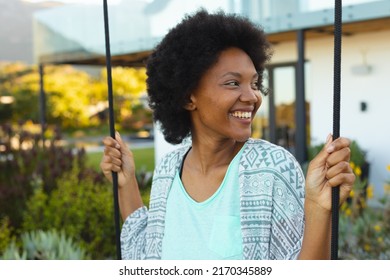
(118, 158)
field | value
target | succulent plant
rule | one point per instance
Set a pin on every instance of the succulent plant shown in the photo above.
(44, 245)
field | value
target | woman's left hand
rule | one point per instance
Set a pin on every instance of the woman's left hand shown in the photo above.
(330, 168)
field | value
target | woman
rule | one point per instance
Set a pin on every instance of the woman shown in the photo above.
(224, 196)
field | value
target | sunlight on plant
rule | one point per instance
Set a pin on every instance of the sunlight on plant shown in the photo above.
(365, 230)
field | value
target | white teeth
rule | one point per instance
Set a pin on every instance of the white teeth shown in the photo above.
(242, 115)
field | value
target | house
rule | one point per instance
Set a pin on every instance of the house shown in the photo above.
(300, 74)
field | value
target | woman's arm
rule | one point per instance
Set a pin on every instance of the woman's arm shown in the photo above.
(316, 237)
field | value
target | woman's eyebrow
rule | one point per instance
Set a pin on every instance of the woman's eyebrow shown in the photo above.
(238, 75)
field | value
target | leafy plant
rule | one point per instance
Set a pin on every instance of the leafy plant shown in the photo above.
(26, 164)
(74, 98)
(44, 245)
(5, 234)
(82, 207)
(365, 229)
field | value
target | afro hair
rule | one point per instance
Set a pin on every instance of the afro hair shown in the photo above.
(178, 62)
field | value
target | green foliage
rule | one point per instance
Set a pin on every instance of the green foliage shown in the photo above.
(358, 155)
(21, 82)
(365, 230)
(25, 164)
(74, 98)
(5, 234)
(80, 206)
(41, 245)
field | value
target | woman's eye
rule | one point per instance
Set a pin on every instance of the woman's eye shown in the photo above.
(255, 85)
(232, 83)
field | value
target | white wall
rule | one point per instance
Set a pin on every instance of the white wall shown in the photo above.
(371, 129)
(161, 147)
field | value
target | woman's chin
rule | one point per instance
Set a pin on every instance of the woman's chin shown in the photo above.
(242, 138)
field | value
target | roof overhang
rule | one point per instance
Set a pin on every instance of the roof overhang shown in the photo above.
(348, 29)
(357, 19)
(137, 59)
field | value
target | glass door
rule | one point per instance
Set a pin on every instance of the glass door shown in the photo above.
(275, 121)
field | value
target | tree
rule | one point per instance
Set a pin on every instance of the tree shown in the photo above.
(73, 96)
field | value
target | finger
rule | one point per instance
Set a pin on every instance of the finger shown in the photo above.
(339, 156)
(321, 157)
(116, 161)
(107, 161)
(342, 179)
(111, 142)
(340, 167)
(123, 147)
(112, 152)
(108, 167)
(338, 144)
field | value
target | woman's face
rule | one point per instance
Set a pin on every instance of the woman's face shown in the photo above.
(227, 98)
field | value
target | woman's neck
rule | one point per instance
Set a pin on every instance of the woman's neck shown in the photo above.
(207, 154)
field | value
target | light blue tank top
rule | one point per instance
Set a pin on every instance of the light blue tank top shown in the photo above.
(204, 230)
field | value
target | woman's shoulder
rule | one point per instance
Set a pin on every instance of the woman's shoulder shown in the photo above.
(171, 160)
(264, 159)
(265, 146)
(267, 153)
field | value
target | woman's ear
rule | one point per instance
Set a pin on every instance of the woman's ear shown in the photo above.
(190, 106)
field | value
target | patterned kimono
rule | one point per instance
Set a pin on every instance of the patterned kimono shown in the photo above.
(271, 186)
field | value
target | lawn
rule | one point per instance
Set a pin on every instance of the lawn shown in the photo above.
(144, 158)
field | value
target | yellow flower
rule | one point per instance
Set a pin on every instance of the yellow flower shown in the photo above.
(348, 212)
(370, 191)
(352, 193)
(380, 239)
(352, 165)
(344, 207)
(367, 247)
(377, 228)
(388, 168)
(386, 187)
(358, 171)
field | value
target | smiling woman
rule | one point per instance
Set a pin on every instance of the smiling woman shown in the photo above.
(226, 98)
(223, 195)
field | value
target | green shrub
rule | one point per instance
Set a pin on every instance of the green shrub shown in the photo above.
(24, 164)
(5, 234)
(82, 207)
(44, 245)
(364, 229)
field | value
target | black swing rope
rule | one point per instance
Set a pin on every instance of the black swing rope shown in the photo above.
(336, 122)
(112, 129)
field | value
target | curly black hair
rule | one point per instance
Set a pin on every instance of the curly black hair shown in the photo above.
(178, 62)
